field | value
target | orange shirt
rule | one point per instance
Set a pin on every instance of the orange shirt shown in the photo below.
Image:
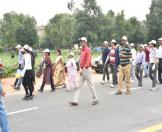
(85, 58)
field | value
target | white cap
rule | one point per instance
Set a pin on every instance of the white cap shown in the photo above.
(72, 54)
(145, 45)
(30, 49)
(141, 45)
(83, 39)
(0, 61)
(132, 44)
(18, 46)
(113, 41)
(160, 39)
(26, 47)
(153, 42)
(124, 38)
(105, 42)
(46, 51)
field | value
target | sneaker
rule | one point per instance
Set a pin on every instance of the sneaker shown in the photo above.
(152, 89)
(52, 90)
(72, 103)
(112, 85)
(128, 92)
(132, 81)
(145, 76)
(140, 85)
(26, 97)
(103, 82)
(41, 91)
(118, 93)
(17, 88)
(95, 102)
(30, 97)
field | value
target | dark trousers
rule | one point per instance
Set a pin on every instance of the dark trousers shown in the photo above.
(105, 71)
(28, 82)
(160, 71)
(15, 83)
(114, 73)
(152, 74)
(51, 82)
(139, 72)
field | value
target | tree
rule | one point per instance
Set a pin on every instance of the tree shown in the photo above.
(14, 26)
(60, 30)
(154, 20)
(88, 21)
(26, 33)
(9, 25)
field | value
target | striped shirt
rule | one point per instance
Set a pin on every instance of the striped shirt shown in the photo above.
(125, 55)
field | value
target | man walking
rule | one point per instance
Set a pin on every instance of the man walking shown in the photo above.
(160, 61)
(140, 60)
(105, 53)
(153, 66)
(124, 67)
(147, 60)
(85, 73)
(114, 62)
(133, 51)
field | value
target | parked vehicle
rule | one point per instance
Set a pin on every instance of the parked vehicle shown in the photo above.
(97, 65)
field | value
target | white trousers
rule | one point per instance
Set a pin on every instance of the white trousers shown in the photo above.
(86, 76)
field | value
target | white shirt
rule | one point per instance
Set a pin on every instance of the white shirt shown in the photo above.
(28, 65)
(133, 59)
(160, 52)
(153, 54)
(71, 66)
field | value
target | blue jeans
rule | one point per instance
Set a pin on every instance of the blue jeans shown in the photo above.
(146, 68)
(4, 126)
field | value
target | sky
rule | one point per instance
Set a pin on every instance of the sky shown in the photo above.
(43, 10)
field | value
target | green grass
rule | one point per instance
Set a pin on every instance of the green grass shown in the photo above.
(10, 63)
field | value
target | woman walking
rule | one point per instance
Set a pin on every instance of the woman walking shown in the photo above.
(59, 74)
(48, 71)
(72, 72)
(27, 75)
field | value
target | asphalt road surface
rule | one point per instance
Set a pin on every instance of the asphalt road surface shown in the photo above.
(50, 112)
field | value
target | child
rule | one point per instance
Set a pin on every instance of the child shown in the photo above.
(72, 72)
(4, 127)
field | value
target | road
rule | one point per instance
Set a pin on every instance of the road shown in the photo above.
(50, 112)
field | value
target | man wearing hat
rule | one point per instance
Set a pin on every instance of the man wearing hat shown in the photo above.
(124, 67)
(153, 65)
(160, 61)
(133, 51)
(114, 62)
(85, 73)
(105, 52)
(147, 60)
(139, 64)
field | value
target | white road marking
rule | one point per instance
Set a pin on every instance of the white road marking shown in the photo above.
(15, 93)
(21, 111)
(125, 90)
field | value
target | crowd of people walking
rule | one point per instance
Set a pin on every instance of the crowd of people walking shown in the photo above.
(126, 61)
(144, 61)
